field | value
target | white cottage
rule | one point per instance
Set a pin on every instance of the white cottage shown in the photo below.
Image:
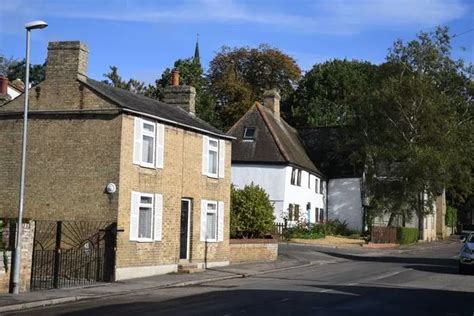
(268, 152)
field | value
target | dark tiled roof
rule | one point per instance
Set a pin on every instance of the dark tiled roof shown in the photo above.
(327, 147)
(142, 104)
(275, 141)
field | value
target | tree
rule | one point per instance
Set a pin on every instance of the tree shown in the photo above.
(114, 79)
(15, 69)
(330, 92)
(192, 74)
(451, 218)
(239, 76)
(415, 130)
(251, 212)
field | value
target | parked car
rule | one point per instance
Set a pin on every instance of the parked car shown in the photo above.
(466, 257)
(467, 229)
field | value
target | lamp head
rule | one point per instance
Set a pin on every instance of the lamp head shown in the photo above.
(36, 25)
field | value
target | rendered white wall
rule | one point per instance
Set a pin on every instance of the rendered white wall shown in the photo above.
(271, 178)
(345, 202)
(302, 195)
(276, 180)
(12, 93)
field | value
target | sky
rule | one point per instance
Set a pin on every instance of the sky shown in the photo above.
(142, 38)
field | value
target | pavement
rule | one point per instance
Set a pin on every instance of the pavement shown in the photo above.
(291, 257)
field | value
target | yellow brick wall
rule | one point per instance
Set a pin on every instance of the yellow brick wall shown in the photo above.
(248, 251)
(71, 158)
(180, 178)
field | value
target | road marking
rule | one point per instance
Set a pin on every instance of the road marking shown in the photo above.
(387, 275)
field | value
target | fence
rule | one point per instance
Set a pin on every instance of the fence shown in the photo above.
(280, 230)
(383, 235)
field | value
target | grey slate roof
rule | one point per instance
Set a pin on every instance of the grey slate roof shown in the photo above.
(128, 100)
(275, 141)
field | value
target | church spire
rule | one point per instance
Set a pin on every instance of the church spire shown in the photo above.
(196, 58)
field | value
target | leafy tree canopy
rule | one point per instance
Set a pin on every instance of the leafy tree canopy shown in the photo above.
(239, 76)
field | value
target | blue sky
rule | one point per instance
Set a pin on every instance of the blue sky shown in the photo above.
(142, 38)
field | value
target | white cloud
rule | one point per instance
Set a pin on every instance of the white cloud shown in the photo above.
(326, 17)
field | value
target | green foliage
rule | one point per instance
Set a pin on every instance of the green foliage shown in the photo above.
(315, 231)
(251, 212)
(16, 70)
(407, 235)
(451, 217)
(239, 76)
(329, 93)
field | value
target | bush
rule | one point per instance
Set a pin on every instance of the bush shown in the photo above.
(407, 235)
(251, 212)
(315, 231)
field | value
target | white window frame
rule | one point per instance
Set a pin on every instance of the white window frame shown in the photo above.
(158, 143)
(152, 207)
(294, 176)
(219, 221)
(156, 216)
(216, 212)
(153, 136)
(220, 154)
(316, 185)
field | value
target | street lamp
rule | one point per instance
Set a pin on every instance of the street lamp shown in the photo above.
(16, 266)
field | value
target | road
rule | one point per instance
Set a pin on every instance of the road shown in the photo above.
(345, 282)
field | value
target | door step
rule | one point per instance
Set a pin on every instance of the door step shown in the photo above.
(189, 268)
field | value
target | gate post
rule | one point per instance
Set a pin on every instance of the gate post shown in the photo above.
(57, 254)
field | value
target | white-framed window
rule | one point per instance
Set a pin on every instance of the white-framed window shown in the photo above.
(293, 212)
(321, 187)
(148, 149)
(212, 221)
(213, 157)
(146, 215)
(298, 180)
(309, 180)
(316, 185)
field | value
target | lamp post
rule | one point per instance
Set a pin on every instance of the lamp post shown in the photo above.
(16, 266)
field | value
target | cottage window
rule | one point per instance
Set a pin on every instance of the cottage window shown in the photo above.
(249, 133)
(321, 187)
(309, 180)
(146, 217)
(213, 157)
(293, 176)
(316, 185)
(212, 221)
(298, 181)
(293, 212)
(148, 148)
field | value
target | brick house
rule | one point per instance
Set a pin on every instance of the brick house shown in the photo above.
(99, 153)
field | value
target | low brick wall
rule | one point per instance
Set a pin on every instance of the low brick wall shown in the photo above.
(26, 258)
(253, 250)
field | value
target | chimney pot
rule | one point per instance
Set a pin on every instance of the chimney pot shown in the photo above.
(3, 86)
(271, 100)
(175, 77)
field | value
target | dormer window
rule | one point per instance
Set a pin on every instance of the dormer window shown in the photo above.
(249, 133)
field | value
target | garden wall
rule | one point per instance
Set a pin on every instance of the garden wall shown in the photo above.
(253, 250)
(26, 257)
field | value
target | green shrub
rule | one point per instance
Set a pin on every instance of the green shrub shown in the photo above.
(407, 235)
(315, 231)
(251, 213)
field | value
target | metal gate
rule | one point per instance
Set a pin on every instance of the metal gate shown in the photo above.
(72, 253)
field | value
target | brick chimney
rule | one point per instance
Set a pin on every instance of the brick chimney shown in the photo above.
(182, 96)
(271, 100)
(3, 86)
(66, 61)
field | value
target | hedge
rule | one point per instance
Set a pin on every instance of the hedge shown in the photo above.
(407, 235)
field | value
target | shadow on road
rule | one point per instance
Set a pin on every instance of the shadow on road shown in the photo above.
(328, 300)
(435, 265)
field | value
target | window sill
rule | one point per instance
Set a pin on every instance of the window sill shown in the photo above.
(212, 241)
(145, 240)
(212, 176)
